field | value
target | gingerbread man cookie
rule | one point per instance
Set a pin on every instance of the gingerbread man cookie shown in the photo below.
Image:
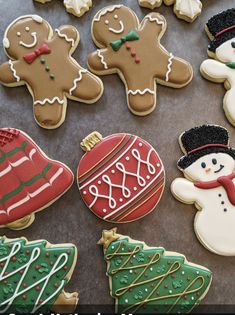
(187, 10)
(75, 7)
(41, 59)
(133, 50)
(221, 31)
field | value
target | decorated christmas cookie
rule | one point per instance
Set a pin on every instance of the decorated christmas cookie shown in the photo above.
(41, 59)
(33, 276)
(187, 10)
(121, 177)
(131, 48)
(208, 165)
(221, 31)
(147, 279)
(76, 7)
(29, 180)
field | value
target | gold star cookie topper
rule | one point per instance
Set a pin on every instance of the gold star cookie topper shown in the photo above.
(108, 236)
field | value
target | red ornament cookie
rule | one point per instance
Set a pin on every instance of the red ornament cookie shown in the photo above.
(121, 178)
(29, 180)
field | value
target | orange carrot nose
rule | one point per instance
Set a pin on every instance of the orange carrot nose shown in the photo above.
(207, 169)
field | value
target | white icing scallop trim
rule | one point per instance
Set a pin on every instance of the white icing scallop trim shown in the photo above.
(169, 67)
(115, 31)
(81, 71)
(140, 92)
(50, 101)
(102, 59)
(37, 18)
(6, 42)
(69, 40)
(155, 19)
(14, 71)
(106, 10)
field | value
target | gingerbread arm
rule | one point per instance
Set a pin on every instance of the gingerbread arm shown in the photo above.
(214, 70)
(153, 23)
(68, 34)
(184, 190)
(100, 61)
(9, 73)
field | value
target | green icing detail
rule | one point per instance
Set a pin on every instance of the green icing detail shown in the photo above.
(47, 69)
(52, 76)
(21, 275)
(25, 184)
(42, 60)
(230, 65)
(148, 281)
(14, 151)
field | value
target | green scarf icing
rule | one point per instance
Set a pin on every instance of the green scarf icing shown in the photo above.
(147, 281)
(30, 265)
(230, 65)
(131, 36)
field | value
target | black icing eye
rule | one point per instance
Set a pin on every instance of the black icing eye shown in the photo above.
(214, 161)
(203, 165)
(233, 44)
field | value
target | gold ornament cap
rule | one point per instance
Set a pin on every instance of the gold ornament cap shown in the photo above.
(108, 236)
(90, 141)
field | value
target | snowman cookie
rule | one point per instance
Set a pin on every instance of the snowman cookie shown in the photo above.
(41, 60)
(131, 49)
(209, 169)
(75, 7)
(187, 10)
(121, 178)
(221, 31)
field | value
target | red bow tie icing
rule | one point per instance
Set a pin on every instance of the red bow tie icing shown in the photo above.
(43, 50)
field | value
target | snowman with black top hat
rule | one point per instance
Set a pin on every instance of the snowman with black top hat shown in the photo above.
(208, 166)
(221, 31)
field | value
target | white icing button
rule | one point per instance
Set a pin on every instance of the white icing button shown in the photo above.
(123, 248)
(99, 182)
(126, 301)
(134, 256)
(131, 271)
(197, 272)
(18, 33)
(115, 16)
(127, 158)
(135, 188)
(112, 247)
(151, 269)
(146, 290)
(148, 177)
(112, 171)
(104, 210)
(106, 22)
(27, 28)
(158, 164)
(84, 193)
(170, 291)
(192, 297)
(182, 272)
(140, 144)
(121, 200)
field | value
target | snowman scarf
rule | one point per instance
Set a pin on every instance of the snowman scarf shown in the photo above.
(224, 181)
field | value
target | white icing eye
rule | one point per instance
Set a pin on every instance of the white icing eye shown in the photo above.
(18, 34)
(115, 16)
(27, 29)
(106, 22)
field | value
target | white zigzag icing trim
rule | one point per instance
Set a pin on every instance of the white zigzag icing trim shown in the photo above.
(69, 40)
(14, 71)
(77, 80)
(104, 11)
(155, 19)
(169, 67)
(102, 59)
(140, 92)
(50, 101)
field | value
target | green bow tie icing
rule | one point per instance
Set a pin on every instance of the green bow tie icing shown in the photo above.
(131, 36)
(230, 65)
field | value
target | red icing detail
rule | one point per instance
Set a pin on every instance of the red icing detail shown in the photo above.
(105, 165)
(13, 258)
(65, 267)
(208, 146)
(165, 286)
(47, 254)
(5, 273)
(133, 53)
(7, 135)
(137, 59)
(51, 263)
(41, 301)
(24, 297)
(43, 50)
(128, 46)
(11, 177)
(56, 285)
(225, 181)
(68, 252)
(37, 267)
(27, 252)
(21, 272)
(25, 285)
(5, 282)
(1, 264)
(38, 288)
(225, 30)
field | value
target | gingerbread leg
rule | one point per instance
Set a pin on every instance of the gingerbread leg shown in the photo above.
(66, 303)
(50, 115)
(142, 102)
(86, 87)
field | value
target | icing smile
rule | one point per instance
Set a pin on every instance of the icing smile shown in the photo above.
(34, 42)
(220, 169)
(115, 31)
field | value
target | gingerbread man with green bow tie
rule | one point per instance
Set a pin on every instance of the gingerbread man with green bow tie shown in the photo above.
(133, 50)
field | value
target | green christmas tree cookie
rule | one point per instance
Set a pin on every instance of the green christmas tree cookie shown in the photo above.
(149, 279)
(33, 276)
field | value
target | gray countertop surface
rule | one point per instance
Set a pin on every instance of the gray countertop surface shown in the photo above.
(68, 219)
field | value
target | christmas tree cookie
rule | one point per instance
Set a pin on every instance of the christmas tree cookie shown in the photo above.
(121, 178)
(147, 279)
(29, 180)
(33, 276)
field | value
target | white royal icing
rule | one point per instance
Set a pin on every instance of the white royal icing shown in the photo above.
(102, 59)
(50, 101)
(170, 60)
(81, 71)
(214, 223)
(117, 31)
(32, 44)
(14, 71)
(141, 92)
(189, 8)
(78, 5)
(69, 40)
(106, 10)
(33, 194)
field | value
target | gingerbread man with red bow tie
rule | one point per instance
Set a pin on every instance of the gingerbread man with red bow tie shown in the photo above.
(133, 50)
(41, 59)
